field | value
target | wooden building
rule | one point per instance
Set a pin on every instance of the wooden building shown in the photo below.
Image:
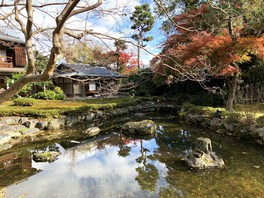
(12, 57)
(81, 80)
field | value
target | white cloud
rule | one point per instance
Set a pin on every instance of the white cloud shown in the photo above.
(83, 170)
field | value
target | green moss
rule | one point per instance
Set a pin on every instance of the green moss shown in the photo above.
(57, 108)
(24, 102)
(188, 108)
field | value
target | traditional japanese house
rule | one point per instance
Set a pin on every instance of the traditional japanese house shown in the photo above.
(81, 80)
(12, 57)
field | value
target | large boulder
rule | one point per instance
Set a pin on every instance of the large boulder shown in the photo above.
(202, 156)
(145, 127)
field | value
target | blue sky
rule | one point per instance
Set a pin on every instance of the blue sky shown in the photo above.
(120, 27)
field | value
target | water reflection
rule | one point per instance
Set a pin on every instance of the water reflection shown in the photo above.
(116, 165)
(15, 166)
(94, 169)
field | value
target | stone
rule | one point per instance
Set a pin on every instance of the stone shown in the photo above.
(19, 127)
(42, 125)
(89, 116)
(22, 120)
(230, 126)
(140, 114)
(8, 128)
(260, 132)
(131, 108)
(215, 123)
(202, 156)
(30, 131)
(10, 120)
(55, 124)
(145, 127)
(203, 144)
(92, 131)
(191, 119)
(260, 135)
(15, 135)
(4, 138)
(48, 156)
(30, 123)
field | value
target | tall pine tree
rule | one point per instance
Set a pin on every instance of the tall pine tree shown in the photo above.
(143, 22)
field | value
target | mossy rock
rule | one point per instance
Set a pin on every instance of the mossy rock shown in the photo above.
(49, 156)
(145, 127)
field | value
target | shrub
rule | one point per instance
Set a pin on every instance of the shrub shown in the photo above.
(31, 88)
(24, 101)
(144, 85)
(56, 94)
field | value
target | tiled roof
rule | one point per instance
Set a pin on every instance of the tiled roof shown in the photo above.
(6, 37)
(85, 70)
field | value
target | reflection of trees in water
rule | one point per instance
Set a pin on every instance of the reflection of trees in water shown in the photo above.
(173, 145)
(124, 148)
(147, 173)
(15, 166)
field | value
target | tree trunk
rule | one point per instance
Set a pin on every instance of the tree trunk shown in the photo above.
(138, 60)
(9, 93)
(117, 62)
(232, 93)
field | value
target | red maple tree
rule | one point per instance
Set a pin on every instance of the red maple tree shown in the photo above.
(198, 50)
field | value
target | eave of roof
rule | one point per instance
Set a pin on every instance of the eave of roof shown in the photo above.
(12, 70)
(6, 37)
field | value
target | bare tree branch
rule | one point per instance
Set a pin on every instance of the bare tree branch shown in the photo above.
(23, 28)
(171, 19)
(88, 8)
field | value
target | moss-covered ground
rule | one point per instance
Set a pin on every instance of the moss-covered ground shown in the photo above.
(57, 108)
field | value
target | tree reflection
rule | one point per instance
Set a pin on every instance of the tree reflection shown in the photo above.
(123, 146)
(147, 173)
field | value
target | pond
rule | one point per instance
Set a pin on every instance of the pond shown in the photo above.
(115, 165)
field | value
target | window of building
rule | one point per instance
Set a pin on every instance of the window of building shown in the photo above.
(92, 86)
(2, 55)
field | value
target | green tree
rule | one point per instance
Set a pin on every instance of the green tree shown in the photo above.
(40, 61)
(143, 22)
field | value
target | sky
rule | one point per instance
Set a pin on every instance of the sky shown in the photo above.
(120, 27)
(113, 24)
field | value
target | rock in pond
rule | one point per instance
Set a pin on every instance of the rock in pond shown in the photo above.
(202, 156)
(145, 127)
(48, 156)
(92, 131)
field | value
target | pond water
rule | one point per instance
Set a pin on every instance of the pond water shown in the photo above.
(114, 165)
